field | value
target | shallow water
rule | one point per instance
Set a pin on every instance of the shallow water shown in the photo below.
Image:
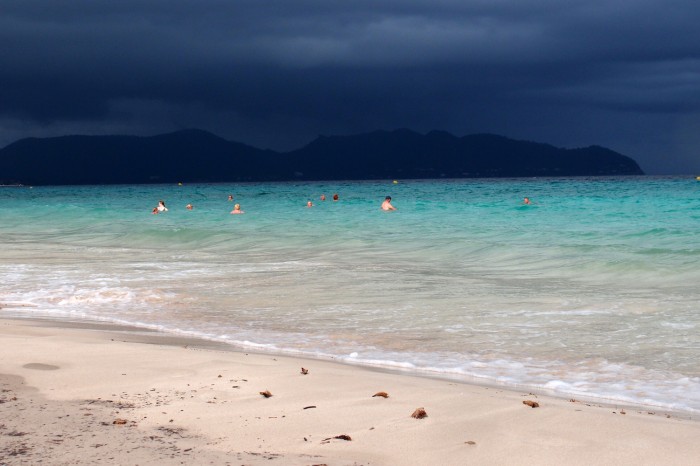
(590, 291)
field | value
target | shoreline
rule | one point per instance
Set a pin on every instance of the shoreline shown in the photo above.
(65, 386)
(137, 334)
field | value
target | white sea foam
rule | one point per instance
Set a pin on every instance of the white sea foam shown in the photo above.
(587, 296)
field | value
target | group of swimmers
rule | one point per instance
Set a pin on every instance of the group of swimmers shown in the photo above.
(161, 208)
(386, 205)
(323, 198)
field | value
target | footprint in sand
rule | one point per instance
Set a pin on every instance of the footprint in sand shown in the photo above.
(40, 367)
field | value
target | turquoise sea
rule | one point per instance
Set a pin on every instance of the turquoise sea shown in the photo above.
(592, 291)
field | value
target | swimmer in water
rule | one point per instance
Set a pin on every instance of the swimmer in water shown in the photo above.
(155, 211)
(161, 206)
(230, 197)
(189, 207)
(526, 201)
(335, 197)
(237, 209)
(323, 197)
(309, 204)
(386, 205)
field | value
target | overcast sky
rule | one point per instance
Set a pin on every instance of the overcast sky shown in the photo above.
(624, 74)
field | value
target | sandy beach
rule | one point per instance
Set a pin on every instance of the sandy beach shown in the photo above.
(91, 394)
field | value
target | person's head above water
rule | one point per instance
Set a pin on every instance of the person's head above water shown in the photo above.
(386, 205)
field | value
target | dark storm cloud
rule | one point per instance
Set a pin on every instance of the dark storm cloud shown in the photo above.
(277, 73)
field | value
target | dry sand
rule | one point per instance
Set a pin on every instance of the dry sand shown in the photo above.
(97, 395)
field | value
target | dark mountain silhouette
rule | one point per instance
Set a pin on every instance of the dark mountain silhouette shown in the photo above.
(199, 156)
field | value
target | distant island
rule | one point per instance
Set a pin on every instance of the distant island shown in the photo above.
(199, 156)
